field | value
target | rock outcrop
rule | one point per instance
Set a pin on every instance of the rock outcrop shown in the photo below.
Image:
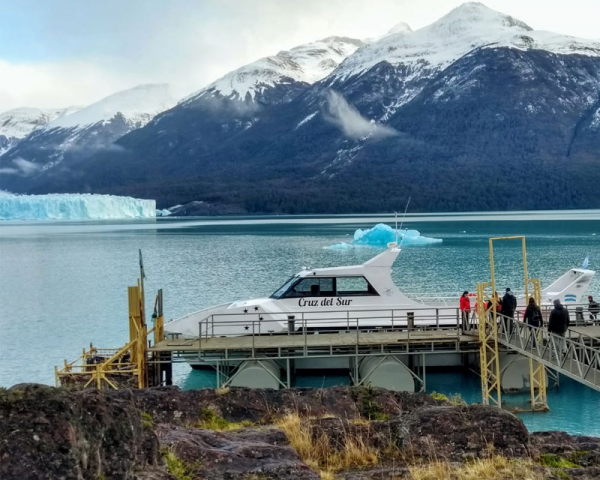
(52, 433)
(249, 452)
(171, 405)
(163, 434)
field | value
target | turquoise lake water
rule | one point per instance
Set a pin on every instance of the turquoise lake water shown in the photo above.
(63, 285)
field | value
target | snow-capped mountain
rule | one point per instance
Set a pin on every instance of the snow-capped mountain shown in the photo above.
(137, 106)
(87, 130)
(242, 98)
(421, 54)
(16, 124)
(466, 28)
(475, 111)
(306, 64)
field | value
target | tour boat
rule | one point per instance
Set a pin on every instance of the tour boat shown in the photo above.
(349, 297)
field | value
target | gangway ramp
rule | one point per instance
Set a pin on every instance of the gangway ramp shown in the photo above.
(576, 356)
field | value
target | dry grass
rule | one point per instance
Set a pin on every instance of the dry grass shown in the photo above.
(360, 421)
(493, 468)
(222, 390)
(318, 452)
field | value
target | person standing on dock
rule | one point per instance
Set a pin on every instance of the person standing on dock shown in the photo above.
(465, 310)
(558, 324)
(509, 304)
(533, 317)
(594, 309)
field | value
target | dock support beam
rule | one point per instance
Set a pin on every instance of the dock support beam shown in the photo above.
(488, 337)
(491, 393)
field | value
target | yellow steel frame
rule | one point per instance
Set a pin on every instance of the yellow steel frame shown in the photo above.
(117, 364)
(537, 371)
(488, 346)
(488, 338)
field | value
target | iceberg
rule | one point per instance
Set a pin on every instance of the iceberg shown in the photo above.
(72, 206)
(381, 234)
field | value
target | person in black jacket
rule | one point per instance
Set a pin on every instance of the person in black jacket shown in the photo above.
(558, 323)
(594, 309)
(533, 317)
(509, 305)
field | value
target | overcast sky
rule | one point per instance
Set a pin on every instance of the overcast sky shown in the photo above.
(56, 53)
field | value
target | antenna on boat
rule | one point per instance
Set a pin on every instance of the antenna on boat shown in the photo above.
(402, 223)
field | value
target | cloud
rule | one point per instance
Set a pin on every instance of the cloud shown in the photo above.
(23, 168)
(48, 85)
(349, 120)
(63, 52)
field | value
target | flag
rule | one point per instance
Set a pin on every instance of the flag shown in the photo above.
(586, 262)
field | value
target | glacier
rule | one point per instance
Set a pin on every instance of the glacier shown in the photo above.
(381, 234)
(71, 206)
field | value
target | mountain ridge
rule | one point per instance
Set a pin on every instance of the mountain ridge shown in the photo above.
(446, 114)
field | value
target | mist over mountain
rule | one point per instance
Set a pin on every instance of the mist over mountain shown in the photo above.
(476, 111)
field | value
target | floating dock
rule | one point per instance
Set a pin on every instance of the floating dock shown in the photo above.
(505, 352)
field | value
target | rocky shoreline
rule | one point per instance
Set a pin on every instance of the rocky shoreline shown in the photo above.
(335, 433)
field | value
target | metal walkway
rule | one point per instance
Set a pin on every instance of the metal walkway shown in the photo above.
(577, 355)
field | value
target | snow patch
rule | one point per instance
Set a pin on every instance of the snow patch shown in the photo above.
(399, 28)
(595, 124)
(307, 119)
(138, 105)
(381, 234)
(83, 206)
(307, 63)
(20, 122)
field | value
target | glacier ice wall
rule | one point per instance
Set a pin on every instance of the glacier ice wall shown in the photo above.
(381, 234)
(73, 206)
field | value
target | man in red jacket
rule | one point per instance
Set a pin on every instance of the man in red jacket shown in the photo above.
(465, 310)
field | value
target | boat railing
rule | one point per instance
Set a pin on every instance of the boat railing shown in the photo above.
(445, 299)
(446, 319)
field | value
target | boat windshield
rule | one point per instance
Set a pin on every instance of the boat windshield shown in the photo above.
(284, 288)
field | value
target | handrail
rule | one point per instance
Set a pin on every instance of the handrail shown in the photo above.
(303, 325)
(570, 357)
(398, 315)
(207, 326)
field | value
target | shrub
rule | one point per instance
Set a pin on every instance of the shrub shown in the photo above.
(147, 420)
(176, 467)
(209, 420)
(554, 461)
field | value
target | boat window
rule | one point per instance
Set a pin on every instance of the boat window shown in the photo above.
(348, 286)
(312, 287)
(284, 288)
